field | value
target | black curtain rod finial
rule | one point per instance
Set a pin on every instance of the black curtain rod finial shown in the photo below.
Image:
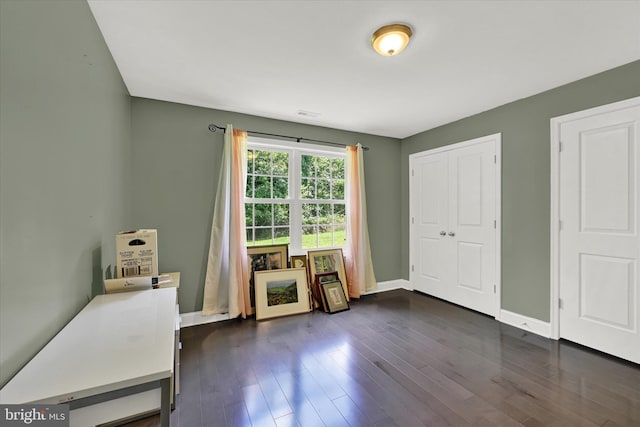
(214, 128)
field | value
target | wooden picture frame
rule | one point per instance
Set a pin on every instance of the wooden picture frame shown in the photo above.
(334, 296)
(301, 261)
(327, 260)
(263, 258)
(316, 287)
(281, 293)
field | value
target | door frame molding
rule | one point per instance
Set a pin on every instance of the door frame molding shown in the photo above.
(497, 138)
(556, 125)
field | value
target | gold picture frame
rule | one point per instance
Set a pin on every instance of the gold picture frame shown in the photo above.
(281, 293)
(301, 261)
(328, 260)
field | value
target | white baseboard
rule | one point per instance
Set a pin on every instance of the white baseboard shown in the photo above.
(528, 324)
(196, 318)
(391, 285)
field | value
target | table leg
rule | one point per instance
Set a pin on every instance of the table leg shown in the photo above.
(165, 402)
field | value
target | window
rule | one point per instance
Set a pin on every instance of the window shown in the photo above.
(295, 195)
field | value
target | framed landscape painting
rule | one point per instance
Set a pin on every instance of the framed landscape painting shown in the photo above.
(328, 260)
(281, 293)
(263, 258)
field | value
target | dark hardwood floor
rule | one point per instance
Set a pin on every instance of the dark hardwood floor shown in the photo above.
(395, 359)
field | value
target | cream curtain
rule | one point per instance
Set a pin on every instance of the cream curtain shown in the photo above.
(227, 279)
(360, 275)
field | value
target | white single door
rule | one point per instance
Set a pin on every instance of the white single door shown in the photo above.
(453, 230)
(599, 247)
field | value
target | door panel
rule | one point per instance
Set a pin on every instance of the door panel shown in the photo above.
(599, 246)
(469, 272)
(612, 304)
(468, 170)
(430, 262)
(606, 184)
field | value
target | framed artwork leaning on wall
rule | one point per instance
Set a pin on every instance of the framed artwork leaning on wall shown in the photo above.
(326, 261)
(264, 258)
(281, 293)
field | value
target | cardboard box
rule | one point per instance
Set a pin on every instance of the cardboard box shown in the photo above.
(137, 253)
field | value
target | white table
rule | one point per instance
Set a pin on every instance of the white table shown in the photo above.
(118, 345)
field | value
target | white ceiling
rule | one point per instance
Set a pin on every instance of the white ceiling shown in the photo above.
(275, 58)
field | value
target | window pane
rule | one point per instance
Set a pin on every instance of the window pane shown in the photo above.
(280, 188)
(263, 162)
(308, 188)
(324, 167)
(249, 191)
(281, 235)
(263, 214)
(309, 237)
(324, 214)
(263, 187)
(337, 190)
(248, 214)
(250, 156)
(309, 213)
(280, 164)
(324, 191)
(250, 241)
(325, 237)
(339, 236)
(263, 236)
(307, 166)
(281, 214)
(338, 214)
(337, 168)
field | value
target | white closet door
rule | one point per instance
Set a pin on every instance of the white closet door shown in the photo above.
(471, 226)
(453, 234)
(599, 247)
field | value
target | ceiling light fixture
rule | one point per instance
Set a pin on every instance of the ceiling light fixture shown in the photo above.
(391, 39)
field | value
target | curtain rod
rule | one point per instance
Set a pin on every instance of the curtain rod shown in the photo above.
(214, 128)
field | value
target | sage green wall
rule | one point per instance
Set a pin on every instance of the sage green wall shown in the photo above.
(525, 176)
(175, 178)
(64, 150)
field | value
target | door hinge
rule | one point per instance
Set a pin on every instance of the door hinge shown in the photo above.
(494, 159)
(413, 172)
(413, 220)
(412, 269)
(560, 147)
(560, 303)
(494, 289)
(560, 225)
(494, 224)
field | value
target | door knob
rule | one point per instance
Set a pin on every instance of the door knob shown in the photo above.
(451, 233)
(443, 233)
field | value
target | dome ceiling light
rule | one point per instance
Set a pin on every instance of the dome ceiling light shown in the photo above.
(391, 39)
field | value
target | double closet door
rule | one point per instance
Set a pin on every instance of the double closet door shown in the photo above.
(454, 194)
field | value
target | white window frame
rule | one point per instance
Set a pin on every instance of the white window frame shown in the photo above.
(295, 150)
